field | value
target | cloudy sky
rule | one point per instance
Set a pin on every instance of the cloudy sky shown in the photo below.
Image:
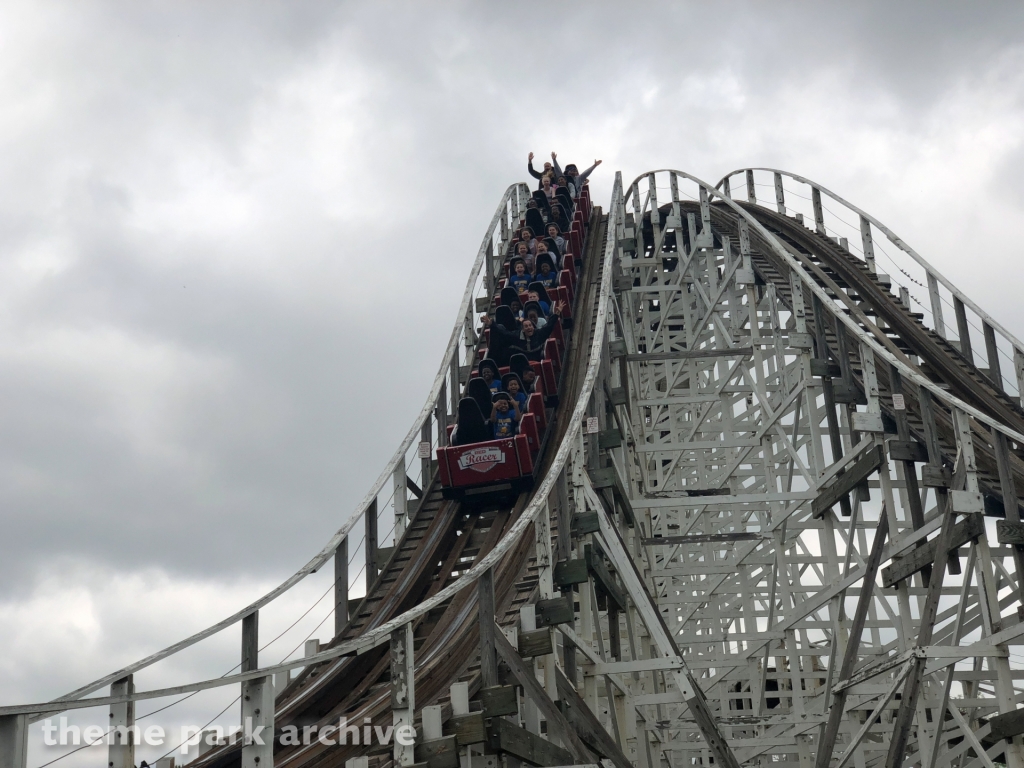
(233, 238)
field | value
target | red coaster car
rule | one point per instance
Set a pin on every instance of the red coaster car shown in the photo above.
(483, 471)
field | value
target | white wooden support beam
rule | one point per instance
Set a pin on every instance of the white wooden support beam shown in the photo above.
(819, 213)
(13, 741)
(370, 544)
(969, 499)
(454, 382)
(938, 323)
(401, 499)
(121, 744)
(745, 273)
(543, 553)
(340, 587)
(1018, 367)
(867, 244)
(780, 195)
(258, 723)
(403, 689)
(441, 414)
(257, 702)
(726, 187)
(426, 436)
(706, 238)
(751, 190)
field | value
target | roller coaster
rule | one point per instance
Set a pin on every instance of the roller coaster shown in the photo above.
(767, 515)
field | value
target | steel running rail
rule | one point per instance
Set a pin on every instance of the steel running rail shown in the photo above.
(488, 256)
(933, 278)
(859, 333)
(382, 633)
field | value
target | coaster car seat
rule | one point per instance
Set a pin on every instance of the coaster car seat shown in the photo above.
(471, 427)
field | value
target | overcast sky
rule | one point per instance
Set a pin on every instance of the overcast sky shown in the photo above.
(233, 238)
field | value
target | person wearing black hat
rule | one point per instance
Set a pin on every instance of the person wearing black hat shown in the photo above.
(505, 415)
(489, 372)
(512, 384)
(530, 340)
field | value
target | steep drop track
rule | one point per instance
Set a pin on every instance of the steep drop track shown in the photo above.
(441, 542)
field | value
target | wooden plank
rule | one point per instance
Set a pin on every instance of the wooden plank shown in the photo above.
(1007, 725)
(907, 450)
(485, 616)
(438, 753)
(690, 354)
(824, 368)
(469, 729)
(865, 466)
(585, 523)
(609, 438)
(969, 528)
(1009, 533)
(535, 643)
(525, 676)
(569, 572)
(935, 477)
(702, 538)
(558, 610)
(499, 700)
(503, 736)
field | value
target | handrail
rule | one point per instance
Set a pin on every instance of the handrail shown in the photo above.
(930, 271)
(858, 332)
(383, 632)
(466, 311)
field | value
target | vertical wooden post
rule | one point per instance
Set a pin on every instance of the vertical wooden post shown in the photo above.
(867, 244)
(963, 329)
(819, 213)
(257, 702)
(426, 434)
(441, 414)
(938, 323)
(485, 609)
(121, 746)
(403, 689)
(780, 195)
(13, 741)
(341, 587)
(992, 352)
(726, 187)
(370, 522)
(399, 481)
(751, 191)
(455, 384)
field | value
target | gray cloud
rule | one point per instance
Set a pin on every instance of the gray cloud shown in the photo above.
(232, 237)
